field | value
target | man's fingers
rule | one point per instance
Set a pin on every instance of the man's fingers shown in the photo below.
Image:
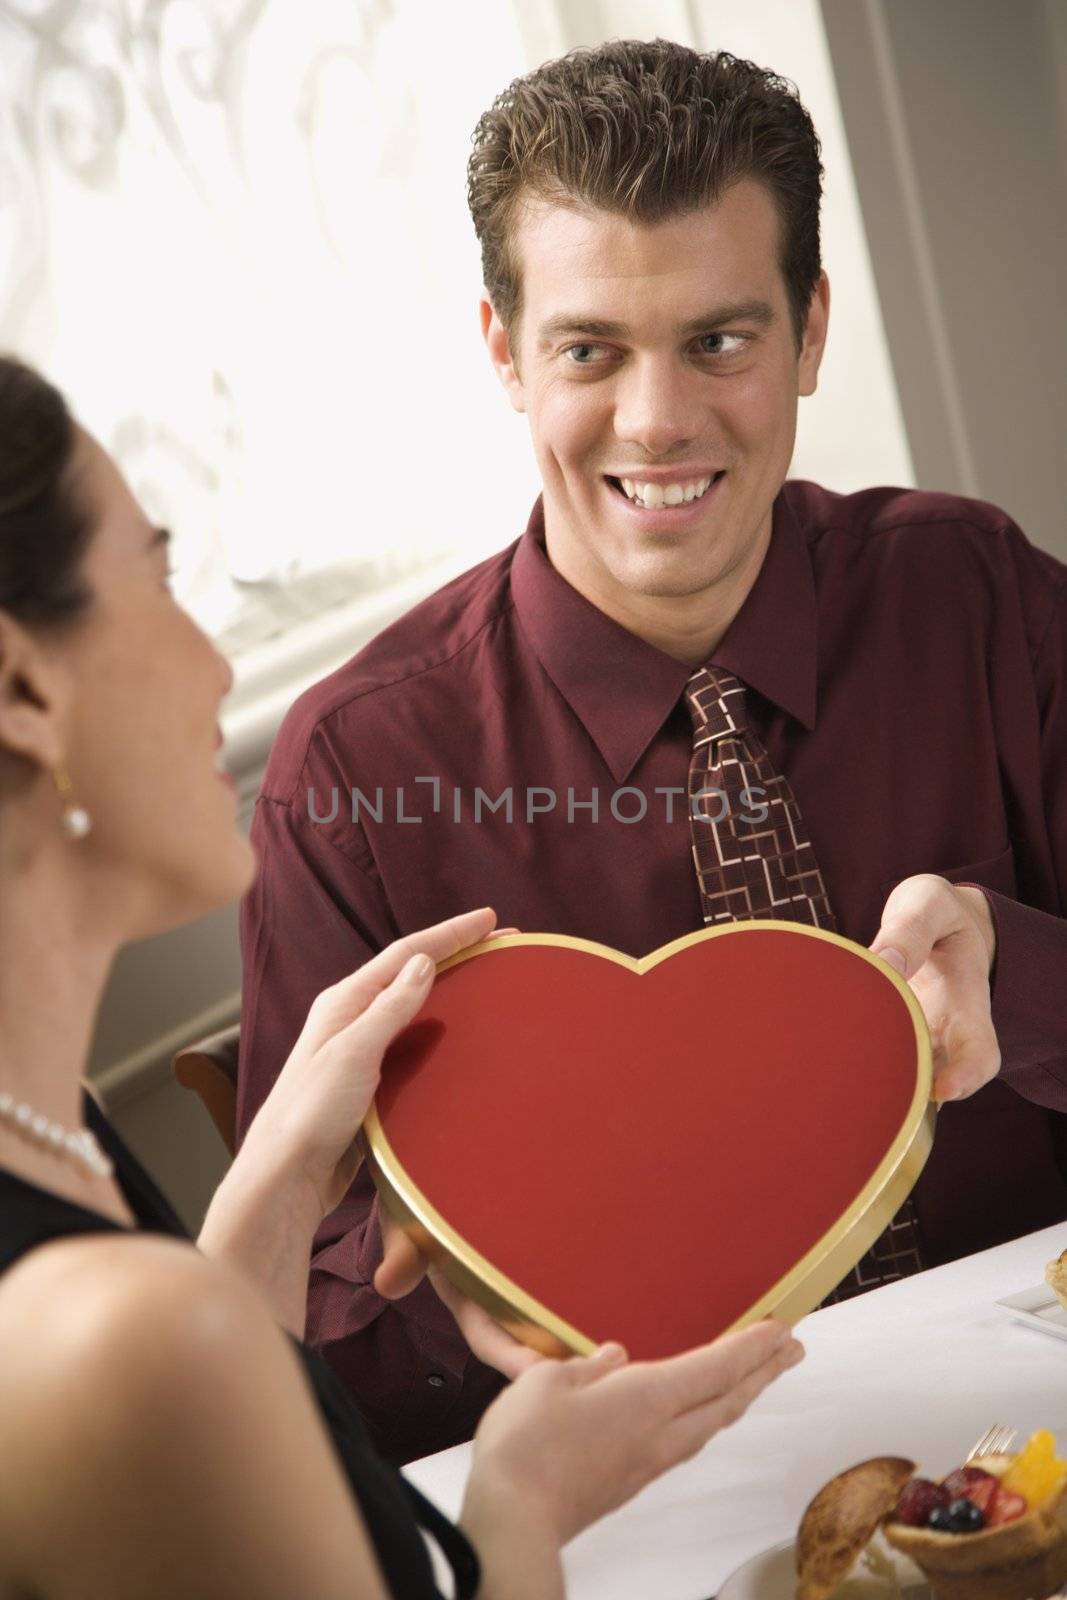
(402, 1267)
(495, 1346)
(934, 936)
(953, 990)
(970, 1063)
(919, 912)
(490, 1342)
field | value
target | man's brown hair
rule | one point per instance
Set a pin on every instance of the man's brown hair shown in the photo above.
(648, 131)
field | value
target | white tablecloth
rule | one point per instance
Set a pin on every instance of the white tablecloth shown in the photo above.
(916, 1369)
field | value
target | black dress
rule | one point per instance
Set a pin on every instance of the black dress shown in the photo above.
(392, 1509)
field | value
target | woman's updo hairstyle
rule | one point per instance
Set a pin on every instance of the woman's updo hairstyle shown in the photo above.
(44, 532)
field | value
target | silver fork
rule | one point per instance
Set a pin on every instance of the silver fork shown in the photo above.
(996, 1441)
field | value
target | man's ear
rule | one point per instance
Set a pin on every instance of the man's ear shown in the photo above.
(33, 701)
(814, 337)
(499, 347)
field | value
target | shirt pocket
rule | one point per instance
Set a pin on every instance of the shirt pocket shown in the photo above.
(997, 873)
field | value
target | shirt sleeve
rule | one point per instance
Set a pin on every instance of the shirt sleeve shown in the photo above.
(1029, 986)
(313, 916)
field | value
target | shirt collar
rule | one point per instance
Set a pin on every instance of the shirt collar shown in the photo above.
(772, 643)
(623, 689)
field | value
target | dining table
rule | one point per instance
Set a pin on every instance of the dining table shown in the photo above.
(918, 1368)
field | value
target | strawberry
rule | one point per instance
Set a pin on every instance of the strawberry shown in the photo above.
(965, 1481)
(981, 1490)
(1004, 1507)
(918, 1498)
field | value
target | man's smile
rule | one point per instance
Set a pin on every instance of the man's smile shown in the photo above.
(666, 501)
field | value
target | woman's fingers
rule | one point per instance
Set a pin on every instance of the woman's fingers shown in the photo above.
(698, 1376)
(343, 1002)
(692, 1430)
(440, 941)
(373, 1030)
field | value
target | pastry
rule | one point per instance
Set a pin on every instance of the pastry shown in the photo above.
(993, 1529)
(838, 1554)
(1056, 1278)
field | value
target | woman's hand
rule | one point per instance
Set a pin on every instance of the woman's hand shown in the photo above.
(308, 1124)
(299, 1156)
(570, 1441)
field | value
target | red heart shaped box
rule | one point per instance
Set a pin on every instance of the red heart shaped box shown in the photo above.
(653, 1150)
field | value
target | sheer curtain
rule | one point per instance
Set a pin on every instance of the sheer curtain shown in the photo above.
(235, 232)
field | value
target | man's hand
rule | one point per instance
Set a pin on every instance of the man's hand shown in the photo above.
(941, 938)
(403, 1266)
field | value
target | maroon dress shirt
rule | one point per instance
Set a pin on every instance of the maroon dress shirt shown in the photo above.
(507, 744)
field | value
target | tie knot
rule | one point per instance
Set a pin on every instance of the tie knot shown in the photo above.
(716, 701)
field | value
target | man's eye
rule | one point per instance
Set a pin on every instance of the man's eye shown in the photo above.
(583, 355)
(720, 344)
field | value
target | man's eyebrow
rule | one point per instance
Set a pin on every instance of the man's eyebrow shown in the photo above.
(760, 312)
(575, 325)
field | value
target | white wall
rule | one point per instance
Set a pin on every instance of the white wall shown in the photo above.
(957, 121)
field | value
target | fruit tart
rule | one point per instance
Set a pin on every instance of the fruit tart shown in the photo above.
(995, 1529)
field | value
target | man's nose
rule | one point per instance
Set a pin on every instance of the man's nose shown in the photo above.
(659, 407)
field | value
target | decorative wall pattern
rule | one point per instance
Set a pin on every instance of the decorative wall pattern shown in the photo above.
(235, 232)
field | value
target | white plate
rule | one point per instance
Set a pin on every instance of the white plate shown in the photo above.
(772, 1576)
(1038, 1308)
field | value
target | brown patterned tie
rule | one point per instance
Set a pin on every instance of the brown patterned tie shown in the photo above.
(753, 859)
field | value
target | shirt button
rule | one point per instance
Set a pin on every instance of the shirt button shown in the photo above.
(435, 1381)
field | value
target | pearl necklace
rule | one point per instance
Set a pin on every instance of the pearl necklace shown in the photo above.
(81, 1145)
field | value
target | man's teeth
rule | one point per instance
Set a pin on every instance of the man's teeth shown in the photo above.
(654, 495)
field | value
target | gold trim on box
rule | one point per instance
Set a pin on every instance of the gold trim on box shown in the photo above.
(801, 1289)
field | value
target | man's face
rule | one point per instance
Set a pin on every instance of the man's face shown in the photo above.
(663, 356)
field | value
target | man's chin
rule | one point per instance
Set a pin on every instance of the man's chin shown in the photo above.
(664, 578)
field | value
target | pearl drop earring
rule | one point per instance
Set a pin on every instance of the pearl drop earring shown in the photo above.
(75, 820)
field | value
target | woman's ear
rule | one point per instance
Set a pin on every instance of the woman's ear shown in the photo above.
(34, 698)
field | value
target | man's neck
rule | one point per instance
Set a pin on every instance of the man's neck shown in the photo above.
(687, 627)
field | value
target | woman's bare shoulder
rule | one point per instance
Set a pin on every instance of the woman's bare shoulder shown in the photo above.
(134, 1371)
(105, 1314)
(104, 1341)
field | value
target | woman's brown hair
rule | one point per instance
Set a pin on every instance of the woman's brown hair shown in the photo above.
(44, 532)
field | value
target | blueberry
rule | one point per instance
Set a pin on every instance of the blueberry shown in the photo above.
(965, 1517)
(940, 1520)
